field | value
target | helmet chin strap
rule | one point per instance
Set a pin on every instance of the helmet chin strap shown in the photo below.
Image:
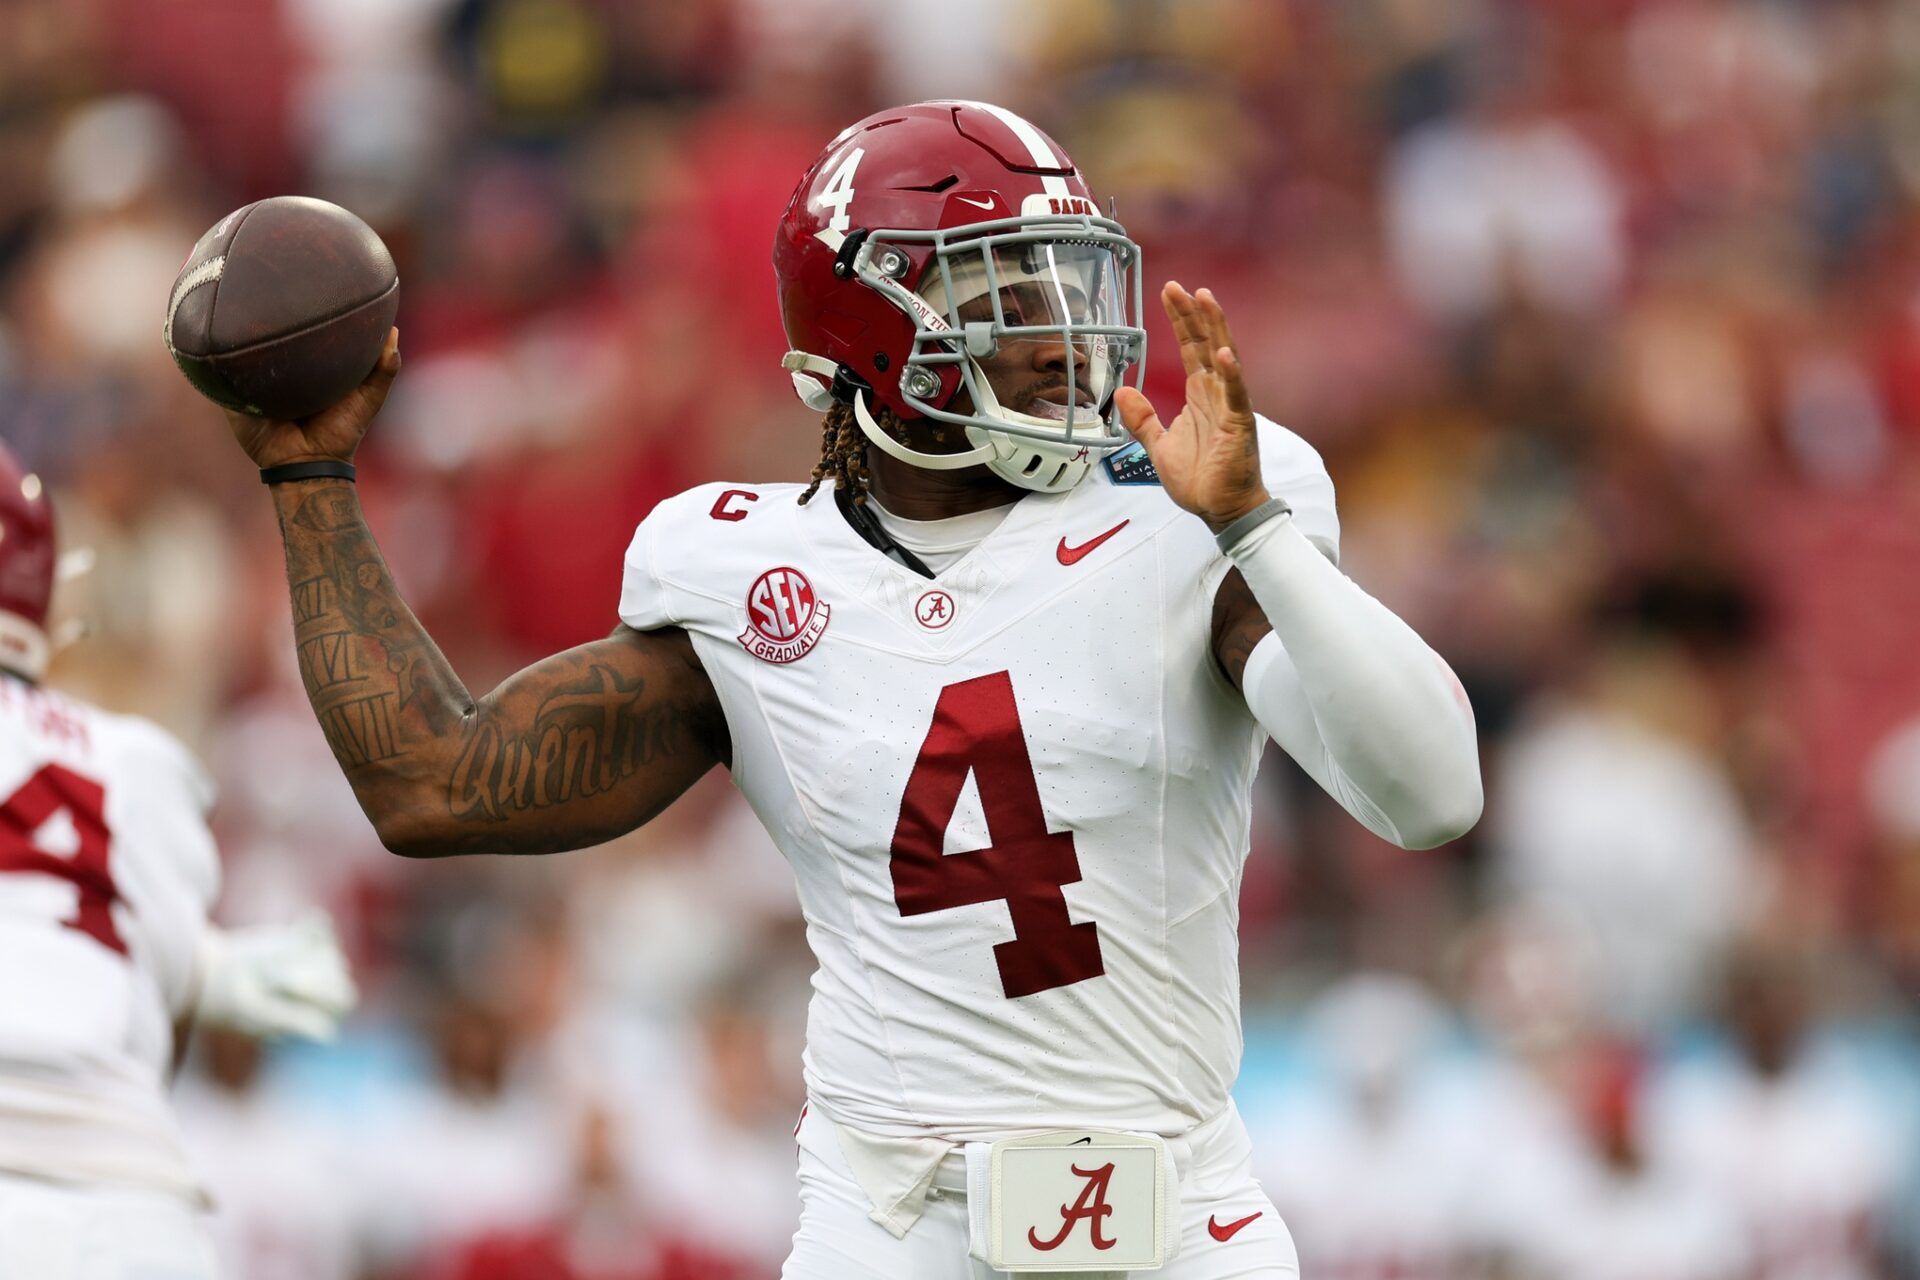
(1007, 456)
(931, 461)
(818, 398)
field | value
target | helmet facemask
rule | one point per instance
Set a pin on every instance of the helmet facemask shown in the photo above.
(1066, 281)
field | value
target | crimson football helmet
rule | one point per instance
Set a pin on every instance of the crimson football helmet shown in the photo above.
(924, 238)
(26, 569)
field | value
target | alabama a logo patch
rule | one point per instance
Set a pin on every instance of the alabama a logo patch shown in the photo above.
(1131, 465)
(785, 619)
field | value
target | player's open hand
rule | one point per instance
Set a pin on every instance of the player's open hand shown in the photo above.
(333, 433)
(1209, 458)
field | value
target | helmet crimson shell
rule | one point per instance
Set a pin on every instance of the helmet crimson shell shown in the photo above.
(927, 166)
(26, 568)
(916, 210)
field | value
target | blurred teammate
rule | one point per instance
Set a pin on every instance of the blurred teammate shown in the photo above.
(1379, 1169)
(1614, 1209)
(1789, 1134)
(107, 872)
(999, 698)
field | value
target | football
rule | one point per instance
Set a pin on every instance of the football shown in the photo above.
(282, 307)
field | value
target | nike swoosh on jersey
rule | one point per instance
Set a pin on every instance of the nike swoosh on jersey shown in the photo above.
(1227, 1232)
(1073, 555)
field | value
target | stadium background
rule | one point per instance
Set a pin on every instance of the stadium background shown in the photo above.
(1606, 315)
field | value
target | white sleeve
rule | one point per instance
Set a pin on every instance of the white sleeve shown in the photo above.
(1293, 470)
(644, 604)
(1373, 714)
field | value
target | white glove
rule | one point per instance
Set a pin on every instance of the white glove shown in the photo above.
(276, 979)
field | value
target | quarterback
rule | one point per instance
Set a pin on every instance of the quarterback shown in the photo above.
(997, 682)
(107, 873)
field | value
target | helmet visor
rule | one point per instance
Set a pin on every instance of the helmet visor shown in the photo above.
(1009, 298)
(1037, 284)
(992, 292)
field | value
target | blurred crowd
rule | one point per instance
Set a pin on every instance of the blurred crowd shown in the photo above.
(1606, 316)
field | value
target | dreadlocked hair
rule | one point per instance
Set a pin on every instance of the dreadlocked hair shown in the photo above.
(843, 452)
(843, 449)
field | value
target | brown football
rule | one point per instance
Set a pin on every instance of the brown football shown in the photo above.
(283, 307)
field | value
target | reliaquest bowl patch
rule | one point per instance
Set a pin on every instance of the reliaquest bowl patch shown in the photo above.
(1131, 465)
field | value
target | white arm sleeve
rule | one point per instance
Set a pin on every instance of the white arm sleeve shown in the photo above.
(1374, 715)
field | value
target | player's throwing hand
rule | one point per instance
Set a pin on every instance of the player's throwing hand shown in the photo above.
(330, 435)
(1209, 459)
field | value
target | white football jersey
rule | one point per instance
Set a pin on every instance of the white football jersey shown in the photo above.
(285, 1196)
(1807, 1159)
(1374, 1191)
(107, 871)
(1654, 1226)
(1016, 797)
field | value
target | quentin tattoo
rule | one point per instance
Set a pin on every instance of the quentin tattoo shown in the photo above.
(586, 738)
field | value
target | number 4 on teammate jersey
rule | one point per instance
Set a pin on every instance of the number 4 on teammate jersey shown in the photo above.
(49, 793)
(976, 728)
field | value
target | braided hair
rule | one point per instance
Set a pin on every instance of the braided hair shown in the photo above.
(843, 452)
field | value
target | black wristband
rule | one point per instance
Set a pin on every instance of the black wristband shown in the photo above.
(324, 470)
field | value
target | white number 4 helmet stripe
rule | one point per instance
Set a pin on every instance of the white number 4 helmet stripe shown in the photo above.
(837, 196)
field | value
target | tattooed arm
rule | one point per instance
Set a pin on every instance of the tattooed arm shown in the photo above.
(572, 751)
(1238, 626)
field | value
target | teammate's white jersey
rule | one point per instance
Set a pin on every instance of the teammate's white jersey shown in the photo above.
(1651, 1226)
(1807, 1159)
(1378, 1191)
(107, 871)
(1016, 797)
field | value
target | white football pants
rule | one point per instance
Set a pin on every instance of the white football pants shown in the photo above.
(54, 1231)
(838, 1241)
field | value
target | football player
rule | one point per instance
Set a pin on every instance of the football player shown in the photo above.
(107, 872)
(997, 681)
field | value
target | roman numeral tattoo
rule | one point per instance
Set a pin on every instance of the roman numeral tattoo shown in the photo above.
(312, 599)
(327, 660)
(362, 731)
(379, 686)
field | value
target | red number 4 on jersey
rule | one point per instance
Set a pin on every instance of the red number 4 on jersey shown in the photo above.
(976, 727)
(51, 791)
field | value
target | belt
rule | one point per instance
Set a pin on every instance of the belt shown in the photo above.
(898, 1174)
